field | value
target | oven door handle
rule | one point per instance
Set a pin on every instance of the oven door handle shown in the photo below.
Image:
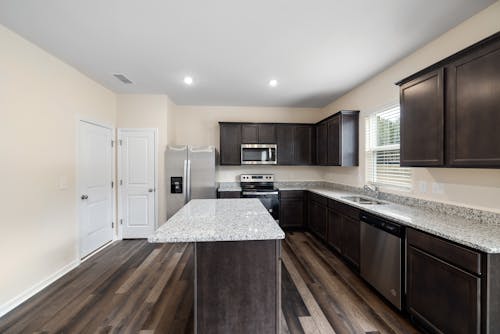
(259, 193)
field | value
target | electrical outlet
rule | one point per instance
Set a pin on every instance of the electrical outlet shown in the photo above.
(422, 186)
(437, 188)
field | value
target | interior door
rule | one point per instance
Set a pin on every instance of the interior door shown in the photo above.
(137, 173)
(95, 185)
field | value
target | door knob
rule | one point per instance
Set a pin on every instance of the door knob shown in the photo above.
(150, 190)
(84, 197)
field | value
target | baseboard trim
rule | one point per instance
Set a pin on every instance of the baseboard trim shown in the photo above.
(27, 294)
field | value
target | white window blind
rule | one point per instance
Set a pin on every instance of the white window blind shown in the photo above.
(382, 150)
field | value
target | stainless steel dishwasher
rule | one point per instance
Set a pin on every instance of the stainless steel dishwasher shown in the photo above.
(381, 256)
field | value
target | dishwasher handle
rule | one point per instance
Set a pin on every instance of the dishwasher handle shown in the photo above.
(382, 224)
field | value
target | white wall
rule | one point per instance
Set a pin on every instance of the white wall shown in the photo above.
(40, 100)
(198, 125)
(470, 187)
(148, 111)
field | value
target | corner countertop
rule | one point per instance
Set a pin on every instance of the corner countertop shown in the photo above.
(468, 232)
(203, 220)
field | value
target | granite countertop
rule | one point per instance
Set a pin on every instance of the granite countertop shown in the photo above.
(478, 235)
(219, 220)
(229, 189)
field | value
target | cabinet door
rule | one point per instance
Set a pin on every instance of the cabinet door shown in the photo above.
(229, 194)
(350, 239)
(249, 134)
(303, 145)
(267, 134)
(334, 230)
(321, 144)
(422, 121)
(442, 297)
(473, 109)
(334, 141)
(291, 212)
(318, 219)
(284, 138)
(230, 144)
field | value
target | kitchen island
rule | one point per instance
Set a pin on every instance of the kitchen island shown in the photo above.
(237, 263)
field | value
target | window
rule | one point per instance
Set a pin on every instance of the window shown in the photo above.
(382, 150)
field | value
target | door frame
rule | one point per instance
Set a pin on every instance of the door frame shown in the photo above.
(119, 176)
(78, 121)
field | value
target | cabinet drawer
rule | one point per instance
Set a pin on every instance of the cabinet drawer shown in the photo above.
(344, 209)
(457, 255)
(296, 194)
(318, 198)
(229, 194)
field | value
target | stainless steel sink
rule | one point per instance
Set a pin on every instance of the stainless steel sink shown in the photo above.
(362, 200)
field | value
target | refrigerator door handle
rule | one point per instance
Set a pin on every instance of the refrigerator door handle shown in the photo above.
(188, 181)
(184, 183)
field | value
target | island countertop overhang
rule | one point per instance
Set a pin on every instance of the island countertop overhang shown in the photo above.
(210, 220)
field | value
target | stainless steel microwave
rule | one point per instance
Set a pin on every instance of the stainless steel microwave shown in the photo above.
(259, 154)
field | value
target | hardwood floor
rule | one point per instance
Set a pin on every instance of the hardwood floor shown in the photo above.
(136, 287)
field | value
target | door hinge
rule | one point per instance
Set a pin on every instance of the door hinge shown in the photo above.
(112, 143)
(121, 221)
(121, 182)
(120, 141)
(112, 184)
(112, 224)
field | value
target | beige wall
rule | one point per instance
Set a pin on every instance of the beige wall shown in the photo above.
(148, 111)
(40, 101)
(470, 187)
(196, 125)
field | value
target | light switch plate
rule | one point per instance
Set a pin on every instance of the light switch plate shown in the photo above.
(63, 182)
(422, 186)
(437, 188)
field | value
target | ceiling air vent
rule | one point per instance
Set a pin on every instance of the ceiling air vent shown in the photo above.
(122, 78)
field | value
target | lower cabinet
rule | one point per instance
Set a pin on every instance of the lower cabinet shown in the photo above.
(228, 194)
(318, 212)
(443, 284)
(343, 231)
(441, 296)
(292, 209)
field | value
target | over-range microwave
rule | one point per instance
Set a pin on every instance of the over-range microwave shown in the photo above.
(259, 154)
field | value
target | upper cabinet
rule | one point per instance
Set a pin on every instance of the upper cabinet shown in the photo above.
(258, 134)
(422, 120)
(296, 144)
(230, 144)
(338, 139)
(450, 112)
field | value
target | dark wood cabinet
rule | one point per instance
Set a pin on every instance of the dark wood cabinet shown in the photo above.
(450, 111)
(442, 297)
(292, 209)
(422, 120)
(350, 239)
(229, 194)
(338, 139)
(284, 138)
(318, 215)
(473, 108)
(295, 144)
(267, 134)
(258, 134)
(230, 144)
(334, 230)
(249, 134)
(322, 144)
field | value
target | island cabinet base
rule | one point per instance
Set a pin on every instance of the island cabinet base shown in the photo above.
(237, 287)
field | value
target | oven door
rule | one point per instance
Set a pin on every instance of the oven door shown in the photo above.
(270, 200)
(259, 154)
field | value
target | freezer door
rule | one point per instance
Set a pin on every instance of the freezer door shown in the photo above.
(176, 170)
(201, 173)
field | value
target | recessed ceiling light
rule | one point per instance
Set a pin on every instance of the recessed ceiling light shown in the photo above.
(188, 81)
(273, 83)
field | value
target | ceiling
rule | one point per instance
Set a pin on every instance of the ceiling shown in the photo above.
(316, 49)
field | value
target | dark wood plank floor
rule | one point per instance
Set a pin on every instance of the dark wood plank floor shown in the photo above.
(133, 286)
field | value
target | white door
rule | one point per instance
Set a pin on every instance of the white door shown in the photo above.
(137, 179)
(95, 186)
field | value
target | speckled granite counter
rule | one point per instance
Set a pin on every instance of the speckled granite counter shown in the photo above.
(219, 220)
(469, 232)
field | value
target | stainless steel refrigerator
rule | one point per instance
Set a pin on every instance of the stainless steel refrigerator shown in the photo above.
(190, 173)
